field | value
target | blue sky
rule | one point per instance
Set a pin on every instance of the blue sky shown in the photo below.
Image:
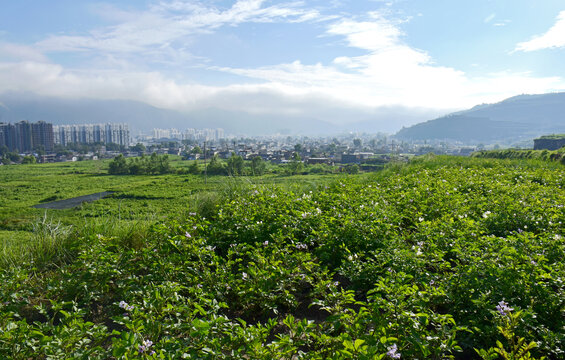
(296, 57)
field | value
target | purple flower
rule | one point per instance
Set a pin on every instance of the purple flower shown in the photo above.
(503, 308)
(145, 346)
(124, 305)
(393, 352)
(187, 235)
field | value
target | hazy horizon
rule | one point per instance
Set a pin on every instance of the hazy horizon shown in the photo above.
(339, 61)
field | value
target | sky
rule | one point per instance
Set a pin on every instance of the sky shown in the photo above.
(302, 58)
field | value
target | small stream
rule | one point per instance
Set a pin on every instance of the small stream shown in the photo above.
(73, 202)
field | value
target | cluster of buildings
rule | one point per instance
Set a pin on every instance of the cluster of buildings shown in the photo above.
(92, 134)
(352, 148)
(25, 137)
(188, 134)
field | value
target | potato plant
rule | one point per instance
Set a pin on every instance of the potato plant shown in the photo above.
(440, 258)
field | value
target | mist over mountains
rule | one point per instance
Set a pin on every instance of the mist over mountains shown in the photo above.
(517, 118)
(142, 117)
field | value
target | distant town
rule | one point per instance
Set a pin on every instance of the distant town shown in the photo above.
(44, 142)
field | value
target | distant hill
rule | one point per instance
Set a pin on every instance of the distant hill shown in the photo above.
(517, 118)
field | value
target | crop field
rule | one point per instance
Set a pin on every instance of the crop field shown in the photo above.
(440, 258)
(136, 201)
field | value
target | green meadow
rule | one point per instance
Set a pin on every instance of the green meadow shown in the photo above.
(439, 258)
(136, 202)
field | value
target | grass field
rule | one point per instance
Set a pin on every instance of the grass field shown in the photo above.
(441, 258)
(137, 202)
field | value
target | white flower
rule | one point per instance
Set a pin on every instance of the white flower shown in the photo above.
(124, 305)
(393, 352)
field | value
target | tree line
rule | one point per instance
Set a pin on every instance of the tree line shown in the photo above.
(235, 165)
(143, 165)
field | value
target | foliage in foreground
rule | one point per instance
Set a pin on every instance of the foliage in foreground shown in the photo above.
(421, 262)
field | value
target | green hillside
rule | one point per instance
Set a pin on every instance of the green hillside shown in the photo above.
(517, 118)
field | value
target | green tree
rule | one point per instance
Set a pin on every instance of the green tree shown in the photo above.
(258, 166)
(352, 169)
(11, 157)
(158, 164)
(109, 147)
(163, 165)
(139, 147)
(235, 165)
(295, 166)
(118, 166)
(196, 150)
(216, 167)
(194, 169)
(3, 150)
(29, 159)
(138, 165)
(39, 149)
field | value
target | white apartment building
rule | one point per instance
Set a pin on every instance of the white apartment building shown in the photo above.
(92, 133)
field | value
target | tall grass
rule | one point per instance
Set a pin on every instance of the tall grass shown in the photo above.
(50, 244)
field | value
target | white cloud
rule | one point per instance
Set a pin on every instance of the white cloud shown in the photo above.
(10, 51)
(394, 73)
(554, 38)
(501, 23)
(311, 91)
(369, 35)
(168, 22)
(489, 18)
(389, 72)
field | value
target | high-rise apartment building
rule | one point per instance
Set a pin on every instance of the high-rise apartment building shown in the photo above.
(26, 137)
(42, 134)
(91, 134)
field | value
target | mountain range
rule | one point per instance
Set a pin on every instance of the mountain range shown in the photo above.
(519, 118)
(515, 119)
(143, 117)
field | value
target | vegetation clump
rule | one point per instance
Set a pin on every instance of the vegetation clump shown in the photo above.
(542, 155)
(144, 165)
(440, 258)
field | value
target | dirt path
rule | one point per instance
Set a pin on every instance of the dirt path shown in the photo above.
(73, 202)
